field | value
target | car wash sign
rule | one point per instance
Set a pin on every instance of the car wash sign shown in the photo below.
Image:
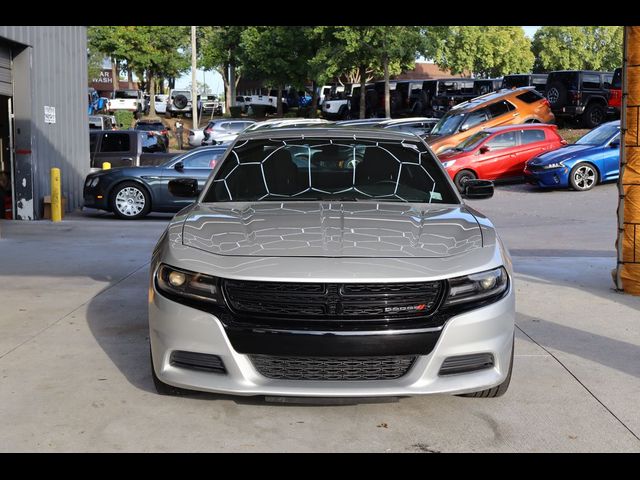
(104, 78)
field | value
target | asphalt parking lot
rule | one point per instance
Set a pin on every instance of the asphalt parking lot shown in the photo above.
(74, 367)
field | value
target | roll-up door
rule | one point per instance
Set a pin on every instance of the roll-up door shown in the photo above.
(6, 87)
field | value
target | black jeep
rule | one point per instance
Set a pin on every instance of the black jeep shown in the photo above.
(580, 94)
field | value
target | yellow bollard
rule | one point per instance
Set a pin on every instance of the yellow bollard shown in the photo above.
(106, 166)
(56, 197)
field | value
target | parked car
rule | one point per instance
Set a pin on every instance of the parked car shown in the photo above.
(128, 100)
(593, 159)
(126, 148)
(499, 153)
(444, 93)
(179, 102)
(337, 106)
(221, 131)
(154, 126)
(211, 105)
(580, 94)
(506, 107)
(331, 262)
(133, 192)
(161, 103)
(101, 122)
(482, 86)
(615, 91)
(276, 123)
(517, 80)
(420, 126)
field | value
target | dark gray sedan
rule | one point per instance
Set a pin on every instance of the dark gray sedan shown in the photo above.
(132, 192)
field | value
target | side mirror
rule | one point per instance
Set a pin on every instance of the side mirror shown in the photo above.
(184, 187)
(478, 189)
(179, 166)
(485, 149)
(615, 144)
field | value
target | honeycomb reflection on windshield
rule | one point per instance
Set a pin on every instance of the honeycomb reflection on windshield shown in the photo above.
(332, 169)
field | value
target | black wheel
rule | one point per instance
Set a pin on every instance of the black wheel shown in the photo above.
(130, 201)
(583, 176)
(499, 390)
(180, 101)
(164, 388)
(462, 177)
(556, 94)
(594, 115)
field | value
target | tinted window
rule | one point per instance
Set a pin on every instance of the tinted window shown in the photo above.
(115, 142)
(514, 81)
(607, 79)
(126, 94)
(93, 141)
(499, 108)
(530, 96)
(151, 143)
(295, 169)
(149, 127)
(474, 118)
(448, 124)
(531, 136)
(569, 79)
(591, 80)
(599, 135)
(237, 126)
(472, 142)
(206, 159)
(617, 79)
(504, 140)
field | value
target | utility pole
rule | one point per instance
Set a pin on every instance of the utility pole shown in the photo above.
(194, 81)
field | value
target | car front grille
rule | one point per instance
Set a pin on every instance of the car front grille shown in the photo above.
(322, 301)
(332, 368)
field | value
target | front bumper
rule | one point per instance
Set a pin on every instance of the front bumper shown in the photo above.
(95, 197)
(569, 111)
(174, 326)
(556, 177)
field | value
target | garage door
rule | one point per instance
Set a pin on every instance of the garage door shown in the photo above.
(6, 88)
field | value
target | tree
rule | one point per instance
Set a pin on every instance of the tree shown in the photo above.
(220, 50)
(275, 54)
(486, 51)
(578, 48)
(109, 40)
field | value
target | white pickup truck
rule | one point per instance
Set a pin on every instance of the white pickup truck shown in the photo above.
(130, 100)
(269, 101)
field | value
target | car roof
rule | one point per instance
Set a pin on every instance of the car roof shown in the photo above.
(490, 97)
(333, 131)
(520, 126)
(578, 71)
(400, 121)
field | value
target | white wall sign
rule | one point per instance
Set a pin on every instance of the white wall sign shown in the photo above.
(49, 114)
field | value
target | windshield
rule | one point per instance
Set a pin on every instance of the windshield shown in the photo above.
(448, 124)
(599, 135)
(150, 127)
(126, 94)
(330, 169)
(472, 142)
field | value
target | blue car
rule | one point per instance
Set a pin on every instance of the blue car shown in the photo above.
(593, 159)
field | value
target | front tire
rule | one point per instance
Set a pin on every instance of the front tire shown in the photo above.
(462, 177)
(496, 391)
(583, 177)
(594, 115)
(130, 201)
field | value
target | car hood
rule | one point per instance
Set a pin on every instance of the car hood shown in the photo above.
(562, 153)
(331, 229)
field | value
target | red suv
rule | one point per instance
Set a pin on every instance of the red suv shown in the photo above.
(615, 92)
(499, 153)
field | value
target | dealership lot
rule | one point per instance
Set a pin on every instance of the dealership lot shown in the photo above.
(75, 376)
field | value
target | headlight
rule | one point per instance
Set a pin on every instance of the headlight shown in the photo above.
(183, 283)
(550, 166)
(448, 164)
(477, 287)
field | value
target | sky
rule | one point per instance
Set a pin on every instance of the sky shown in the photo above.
(214, 80)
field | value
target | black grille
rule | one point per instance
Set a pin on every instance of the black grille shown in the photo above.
(466, 363)
(319, 301)
(197, 361)
(332, 368)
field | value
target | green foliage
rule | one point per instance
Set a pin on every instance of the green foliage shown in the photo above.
(124, 118)
(488, 51)
(578, 48)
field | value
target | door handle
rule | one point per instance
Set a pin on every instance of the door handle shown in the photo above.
(516, 114)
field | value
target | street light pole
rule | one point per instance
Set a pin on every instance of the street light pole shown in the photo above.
(194, 81)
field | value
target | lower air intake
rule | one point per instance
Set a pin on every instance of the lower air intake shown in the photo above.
(197, 361)
(332, 368)
(466, 363)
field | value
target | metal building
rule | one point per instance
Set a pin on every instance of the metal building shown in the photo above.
(43, 114)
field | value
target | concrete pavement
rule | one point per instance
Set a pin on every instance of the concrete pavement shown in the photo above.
(74, 370)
